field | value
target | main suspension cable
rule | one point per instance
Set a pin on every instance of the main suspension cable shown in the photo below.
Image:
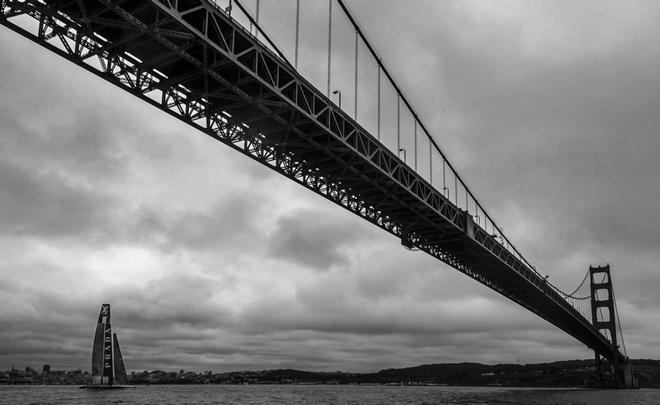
(618, 322)
(359, 34)
(572, 295)
(255, 23)
(576, 290)
(432, 142)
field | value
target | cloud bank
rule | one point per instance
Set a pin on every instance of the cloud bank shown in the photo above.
(211, 261)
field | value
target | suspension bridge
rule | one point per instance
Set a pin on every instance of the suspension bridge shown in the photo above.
(214, 66)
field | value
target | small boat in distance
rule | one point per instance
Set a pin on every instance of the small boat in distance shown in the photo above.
(108, 370)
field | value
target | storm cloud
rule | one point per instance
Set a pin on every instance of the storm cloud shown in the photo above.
(211, 261)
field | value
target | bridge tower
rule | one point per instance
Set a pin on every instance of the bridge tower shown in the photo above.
(614, 372)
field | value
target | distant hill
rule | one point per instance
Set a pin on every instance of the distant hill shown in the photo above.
(557, 374)
(571, 373)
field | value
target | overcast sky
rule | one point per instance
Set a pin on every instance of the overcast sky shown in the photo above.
(550, 110)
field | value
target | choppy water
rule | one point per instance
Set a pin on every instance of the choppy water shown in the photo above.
(322, 395)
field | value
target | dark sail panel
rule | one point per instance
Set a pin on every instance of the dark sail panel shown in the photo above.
(97, 355)
(120, 369)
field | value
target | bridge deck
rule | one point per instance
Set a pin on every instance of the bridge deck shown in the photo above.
(193, 61)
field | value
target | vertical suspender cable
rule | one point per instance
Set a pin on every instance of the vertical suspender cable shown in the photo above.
(251, 23)
(398, 124)
(415, 120)
(467, 202)
(430, 162)
(329, 43)
(356, 75)
(297, 32)
(378, 114)
(444, 179)
(256, 34)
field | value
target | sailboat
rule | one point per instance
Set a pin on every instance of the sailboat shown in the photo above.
(108, 370)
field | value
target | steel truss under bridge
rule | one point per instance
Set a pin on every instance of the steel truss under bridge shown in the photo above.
(191, 60)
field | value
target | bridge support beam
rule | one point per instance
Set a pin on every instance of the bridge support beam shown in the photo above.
(611, 371)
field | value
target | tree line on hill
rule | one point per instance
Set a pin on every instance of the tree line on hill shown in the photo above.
(572, 373)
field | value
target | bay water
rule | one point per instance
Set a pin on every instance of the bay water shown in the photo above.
(322, 395)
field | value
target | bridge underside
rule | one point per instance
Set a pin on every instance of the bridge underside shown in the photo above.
(194, 62)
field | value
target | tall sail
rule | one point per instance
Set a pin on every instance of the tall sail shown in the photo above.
(120, 369)
(108, 370)
(97, 349)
